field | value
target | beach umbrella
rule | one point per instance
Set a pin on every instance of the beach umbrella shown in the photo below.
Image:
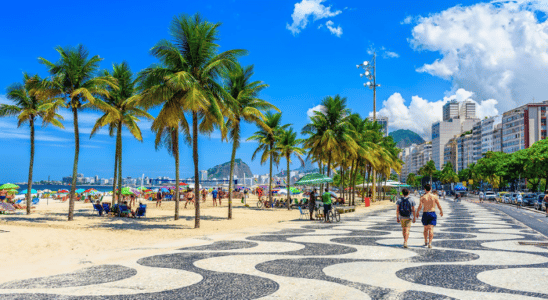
(182, 183)
(32, 191)
(142, 188)
(9, 186)
(79, 191)
(62, 191)
(47, 191)
(89, 190)
(12, 191)
(126, 191)
(314, 179)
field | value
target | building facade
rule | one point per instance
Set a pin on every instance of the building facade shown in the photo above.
(383, 121)
(523, 126)
(451, 110)
(442, 132)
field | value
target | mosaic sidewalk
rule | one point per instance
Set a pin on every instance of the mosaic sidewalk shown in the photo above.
(476, 254)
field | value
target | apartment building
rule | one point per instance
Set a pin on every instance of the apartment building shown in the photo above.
(383, 121)
(414, 157)
(523, 126)
(443, 131)
(450, 110)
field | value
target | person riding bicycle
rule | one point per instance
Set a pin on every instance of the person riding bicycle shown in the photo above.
(326, 199)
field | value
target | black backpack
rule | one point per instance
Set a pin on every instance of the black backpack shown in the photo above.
(405, 207)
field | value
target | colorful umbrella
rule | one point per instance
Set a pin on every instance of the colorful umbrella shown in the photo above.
(9, 186)
(182, 183)
(62, 191)
(32, 191)
(126, 191)
(142, 188)
(89, 190)
(79, 191)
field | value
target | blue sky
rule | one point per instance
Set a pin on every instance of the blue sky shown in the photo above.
(301, 68)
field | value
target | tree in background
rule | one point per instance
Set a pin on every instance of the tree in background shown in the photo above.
(289, 145)
(242, 104)
(428, 170)
(76, 81)
(28, 107)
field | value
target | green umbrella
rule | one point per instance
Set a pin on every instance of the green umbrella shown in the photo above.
(314, 179)
(142, 188)
(126, 191)
(9, 186)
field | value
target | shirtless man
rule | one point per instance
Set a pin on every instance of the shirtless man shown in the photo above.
(189, 197)
(427, 202)
(3, 195)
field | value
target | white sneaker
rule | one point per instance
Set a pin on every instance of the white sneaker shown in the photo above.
(430, 246)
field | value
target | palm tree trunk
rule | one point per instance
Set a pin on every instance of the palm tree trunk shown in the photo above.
(119, 138)
(232, 158)
(320, 168)
(374, 185)
(29, 184)
(288, 186)
(369, 178)
(352, 182)
(175, 140)
(342, 181)
(270, 178)
(196, 171)
(116, 154)
(75, 165)
(328, 169)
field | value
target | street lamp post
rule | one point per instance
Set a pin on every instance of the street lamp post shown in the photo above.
(370, 72)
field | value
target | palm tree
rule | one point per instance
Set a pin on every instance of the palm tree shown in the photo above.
(267, 139)
(242, 104)
(411, 179)
(29, 107)
(428, 170)
(331, 129)
(123, 111)
(288, 145)
(76, 83)
(188, 76)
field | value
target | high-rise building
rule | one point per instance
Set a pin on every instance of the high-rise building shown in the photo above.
(414, 157)
(467, 110)
(442, 132)
(451, 110)
(523, 126)
(203, 175)
(383, 121)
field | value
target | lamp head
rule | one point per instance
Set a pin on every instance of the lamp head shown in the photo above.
(361, 75)
(357, 66)
(365, 63)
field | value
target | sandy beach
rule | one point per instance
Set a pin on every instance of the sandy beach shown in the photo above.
(44, 243)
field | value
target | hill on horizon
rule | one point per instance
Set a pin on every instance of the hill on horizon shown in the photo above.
(404, 138)
(223, 170)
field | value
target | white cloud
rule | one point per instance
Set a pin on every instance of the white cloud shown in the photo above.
(311, 111)
(383, 52)
(307, 8)
(419, 115)
(407, 20)
(497, 50)
(390, 54)
(334, 30)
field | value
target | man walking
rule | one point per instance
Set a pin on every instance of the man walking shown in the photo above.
(404, 208)
(312, 203)
(214, 195)
(428, 203)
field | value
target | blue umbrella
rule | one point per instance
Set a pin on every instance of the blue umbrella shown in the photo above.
(33, 191)
(79, 191)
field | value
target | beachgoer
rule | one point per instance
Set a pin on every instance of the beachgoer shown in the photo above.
(312, 203)
(546, 202)
(204, 195)
(3, 195)
(260, 194)
(132, 200)
(159, 199)
(189, 197)
(220, 196)
(326, 199)
(405, 207)
(481, 196)
(214, 193)
(428, 203)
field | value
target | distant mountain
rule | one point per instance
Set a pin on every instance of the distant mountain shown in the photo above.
(308, 166)
(404, 138)
(223, 170)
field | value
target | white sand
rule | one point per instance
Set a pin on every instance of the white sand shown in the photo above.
(45, 243)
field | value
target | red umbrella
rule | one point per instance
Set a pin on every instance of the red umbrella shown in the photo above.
(63, 191)
(182, 183)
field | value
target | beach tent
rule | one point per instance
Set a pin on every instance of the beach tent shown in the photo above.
(314, 179)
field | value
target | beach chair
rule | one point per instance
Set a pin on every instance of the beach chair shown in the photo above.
(35, 201)
(106, 208)
(303, 214)
(123, 211)
(141, 211)
(98, 208)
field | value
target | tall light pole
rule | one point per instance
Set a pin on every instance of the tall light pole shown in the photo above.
(370, 72)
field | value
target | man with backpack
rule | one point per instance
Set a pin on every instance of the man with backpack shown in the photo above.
(405, 208)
